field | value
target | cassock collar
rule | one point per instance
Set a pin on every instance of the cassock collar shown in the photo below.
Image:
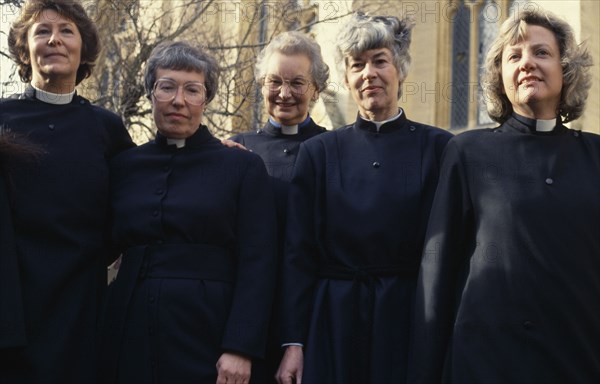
(53, 98)
(200, 137)
(30, 94)
(277, 129)
(304, 128)
(387, 127)
(526, 125)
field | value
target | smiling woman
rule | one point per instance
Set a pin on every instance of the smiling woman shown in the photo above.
(54, 52)
(532, 73)
(291, 72)
(59, 202)
(528, 310)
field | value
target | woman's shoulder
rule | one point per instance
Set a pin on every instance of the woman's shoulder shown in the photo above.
(473, 135)
(239, 154)
(99, 111)
(429, 129)
(591, 136)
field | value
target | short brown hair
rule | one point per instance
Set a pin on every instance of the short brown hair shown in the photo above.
(70, 9)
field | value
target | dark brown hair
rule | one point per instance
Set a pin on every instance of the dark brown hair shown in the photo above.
(70, 9)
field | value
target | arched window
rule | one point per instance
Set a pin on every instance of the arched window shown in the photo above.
(474, 27)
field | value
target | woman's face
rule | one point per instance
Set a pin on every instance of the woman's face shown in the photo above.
(374, 82)
(179, 117)
(54, 51)
(532, 74)
(288, 88)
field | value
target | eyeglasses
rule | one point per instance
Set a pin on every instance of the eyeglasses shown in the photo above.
(274, 84)
(166, 90)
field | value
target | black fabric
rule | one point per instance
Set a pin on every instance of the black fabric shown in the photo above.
(358, 208)
(170, 261)
(179, 204)
(509, 284)
(12, 323)
(60, 212)
(279, 153)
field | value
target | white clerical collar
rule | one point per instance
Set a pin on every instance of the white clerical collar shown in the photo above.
(545, 125)
(289, 129)
(53, 98)
(179, 143)
(378, 124)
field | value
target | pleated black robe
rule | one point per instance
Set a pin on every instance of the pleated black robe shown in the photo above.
(358, 209)
(510, 285)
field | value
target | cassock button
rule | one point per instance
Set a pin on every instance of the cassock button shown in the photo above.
(527, 325)
(159, 191)
(549, 181)
(286, 151)
(576, 134)
(258, 131)
(81, 102)
(155, 213)
(412, 128)
(159, 242)
(51, 127)
(376, 164)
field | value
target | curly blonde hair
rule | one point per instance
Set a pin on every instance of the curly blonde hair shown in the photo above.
(575, 61)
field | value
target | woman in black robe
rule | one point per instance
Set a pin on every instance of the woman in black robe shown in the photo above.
(509, 286)
(358, 208)
(291, 73)
(60, 201)
(195, 222)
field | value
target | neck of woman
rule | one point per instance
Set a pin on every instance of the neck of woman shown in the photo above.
(54, 85)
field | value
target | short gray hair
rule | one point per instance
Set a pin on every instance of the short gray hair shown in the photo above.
(575, 61)
(182, 56)
(364, 32)
(294, 43)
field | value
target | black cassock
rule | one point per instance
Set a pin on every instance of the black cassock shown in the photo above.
(510, 285)
(279, 152)
(357, 215)
(196, 228)
(60, 211)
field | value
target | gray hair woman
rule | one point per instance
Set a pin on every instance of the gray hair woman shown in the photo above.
(294, 43)
(357, 213)
(291, 73)
(182, 56)
(509, 287)
(194, 221)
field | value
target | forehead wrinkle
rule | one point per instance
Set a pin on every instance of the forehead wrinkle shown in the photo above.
(382, 52)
